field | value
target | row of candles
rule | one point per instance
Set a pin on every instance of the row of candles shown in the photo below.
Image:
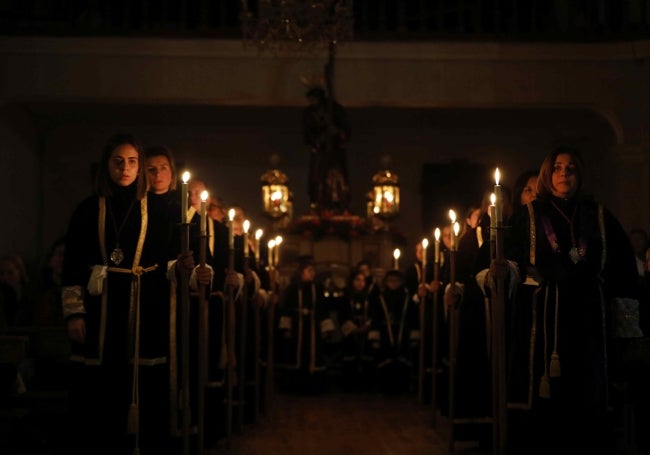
(273, 244)
(496, 221)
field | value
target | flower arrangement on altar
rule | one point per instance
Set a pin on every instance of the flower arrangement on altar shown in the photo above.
(316, 227)
(346, 227)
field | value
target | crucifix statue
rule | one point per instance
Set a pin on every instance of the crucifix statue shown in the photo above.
(326, 133)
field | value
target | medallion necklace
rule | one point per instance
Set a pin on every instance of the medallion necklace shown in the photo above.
(117, 255)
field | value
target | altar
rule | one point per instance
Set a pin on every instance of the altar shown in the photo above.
(339, 241)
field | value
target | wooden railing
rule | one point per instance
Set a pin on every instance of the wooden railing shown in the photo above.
(392, 20)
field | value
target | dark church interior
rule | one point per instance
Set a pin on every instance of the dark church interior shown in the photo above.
(362, 293)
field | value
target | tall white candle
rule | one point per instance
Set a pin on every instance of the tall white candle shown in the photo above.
(271, 244)
(278, 241)
(436, 244)
(425, 244)
(204, 217)
(247, 225)
(184, 196)
(258, 236)
(452, 217)
(493, 217)
(499, 198)
(231, 233)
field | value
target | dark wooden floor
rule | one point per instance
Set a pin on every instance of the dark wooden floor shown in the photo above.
(336, 423)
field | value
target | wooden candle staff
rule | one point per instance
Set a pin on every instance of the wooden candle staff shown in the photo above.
(203, 328)
(453, 332)
(434, 327)
(499, 406)
(185, 323)
(243, 333)
(230, 329)
(423, 301)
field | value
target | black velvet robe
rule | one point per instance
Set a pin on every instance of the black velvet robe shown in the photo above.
(102, 384)
(566, 317)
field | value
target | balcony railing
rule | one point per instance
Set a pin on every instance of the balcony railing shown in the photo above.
(393, 20)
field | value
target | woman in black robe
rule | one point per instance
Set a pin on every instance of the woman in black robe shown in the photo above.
(115, 297)
(304, 325)
(579, 257)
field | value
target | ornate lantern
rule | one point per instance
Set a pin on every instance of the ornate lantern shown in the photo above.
(385, 195)
(275, 194)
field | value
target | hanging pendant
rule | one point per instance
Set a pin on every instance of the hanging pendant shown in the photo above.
(117, 256)
(574, 255)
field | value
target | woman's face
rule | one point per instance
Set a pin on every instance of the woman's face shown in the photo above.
(9, 274)
(123, 165)
(564, 179)
(359, 282)
(472, 220)
(308, 274)
(159, 173)
(529, 193)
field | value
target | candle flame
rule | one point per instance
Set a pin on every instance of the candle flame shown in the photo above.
(258, 234)
(436, 234)
(271, 244)
(186, 177)
(493, 199)
(204, 195)
(452, 216)
(375, 209)
(456, 228)
(425, 243)
(231, 214)
(497, 176)
(247, 225)
(278, 240)
(396, 253)
(388, 195)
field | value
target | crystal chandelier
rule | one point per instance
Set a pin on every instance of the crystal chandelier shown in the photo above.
(296, 26)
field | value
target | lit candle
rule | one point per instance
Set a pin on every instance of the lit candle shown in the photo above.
(184, 195)
(436, 245)
(425, 244)
(231, 234)
(499, 199)
(452, 217)
(396, 255)
(455, 235)
(258, 236)
(204, 217)
(271, 244)
(278, 241)
(493, 217)
(247, 225)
